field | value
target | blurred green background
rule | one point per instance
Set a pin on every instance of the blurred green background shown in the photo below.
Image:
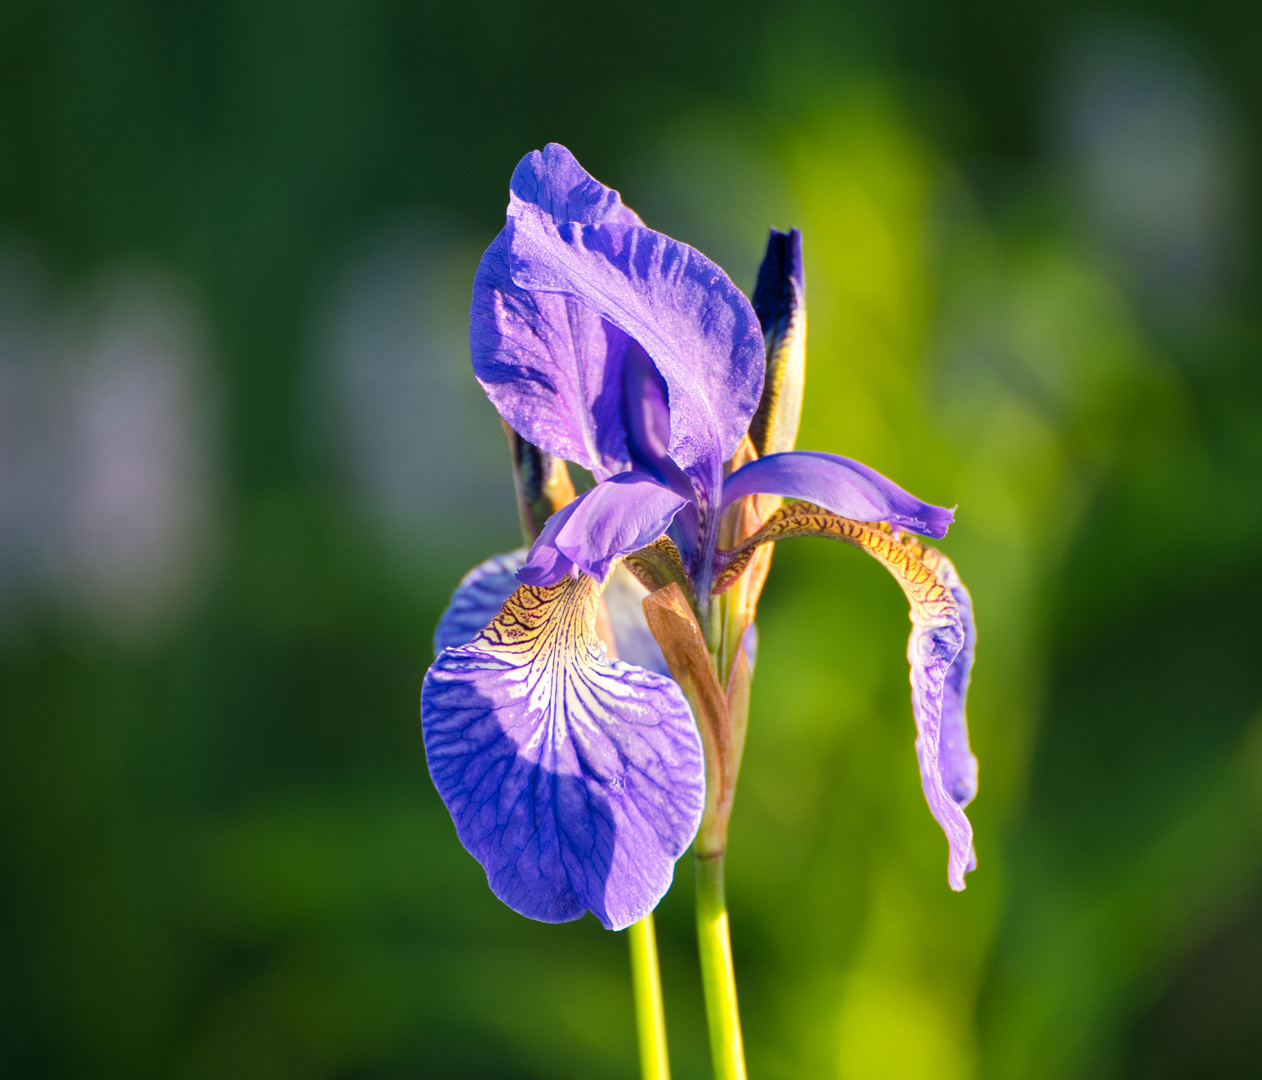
(243, 462)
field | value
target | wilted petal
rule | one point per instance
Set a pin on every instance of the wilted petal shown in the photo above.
(937, 638)
(780, 302)
(838, 484)
(616, 517)
(698, 328)
(575, 781)
(478, 599)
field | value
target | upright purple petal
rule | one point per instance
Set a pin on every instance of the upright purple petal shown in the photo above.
(838, 484)
(616, 517)
(698, 328)
(478, 599)
(551, 367)
(555, 183)
(575, 781)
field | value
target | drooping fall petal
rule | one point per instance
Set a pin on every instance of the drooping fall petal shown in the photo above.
(955, 759)
(574, 780)
(942, 631)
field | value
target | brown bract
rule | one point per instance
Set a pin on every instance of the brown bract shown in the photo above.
(671, 619)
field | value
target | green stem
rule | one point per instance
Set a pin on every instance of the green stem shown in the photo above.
(646, 985)
(717, 976)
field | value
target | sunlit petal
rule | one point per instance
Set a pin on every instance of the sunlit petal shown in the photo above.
(616, 517)
(551, 367)
(698, 328)
(839, 484)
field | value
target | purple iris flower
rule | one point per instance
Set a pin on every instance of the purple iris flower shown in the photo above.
(578, 779)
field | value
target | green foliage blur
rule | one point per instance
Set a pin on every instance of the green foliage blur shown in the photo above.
(243, 462)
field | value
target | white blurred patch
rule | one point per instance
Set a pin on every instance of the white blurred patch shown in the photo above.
(139, 514)
(417, 443)
(1154, 154)
(107, 450)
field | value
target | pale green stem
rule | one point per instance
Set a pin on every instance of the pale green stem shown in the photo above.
(717, 977)
(646, 985)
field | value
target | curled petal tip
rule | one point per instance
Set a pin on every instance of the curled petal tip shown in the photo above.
(840, 485)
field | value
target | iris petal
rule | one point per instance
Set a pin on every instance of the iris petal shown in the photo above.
(956, 762)
(551, 367)
(574, 780)
(616, 517)
(698, 328)
(553, 180)
(939, 650)
(546, 564)
(646, 418)
(839, 484)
